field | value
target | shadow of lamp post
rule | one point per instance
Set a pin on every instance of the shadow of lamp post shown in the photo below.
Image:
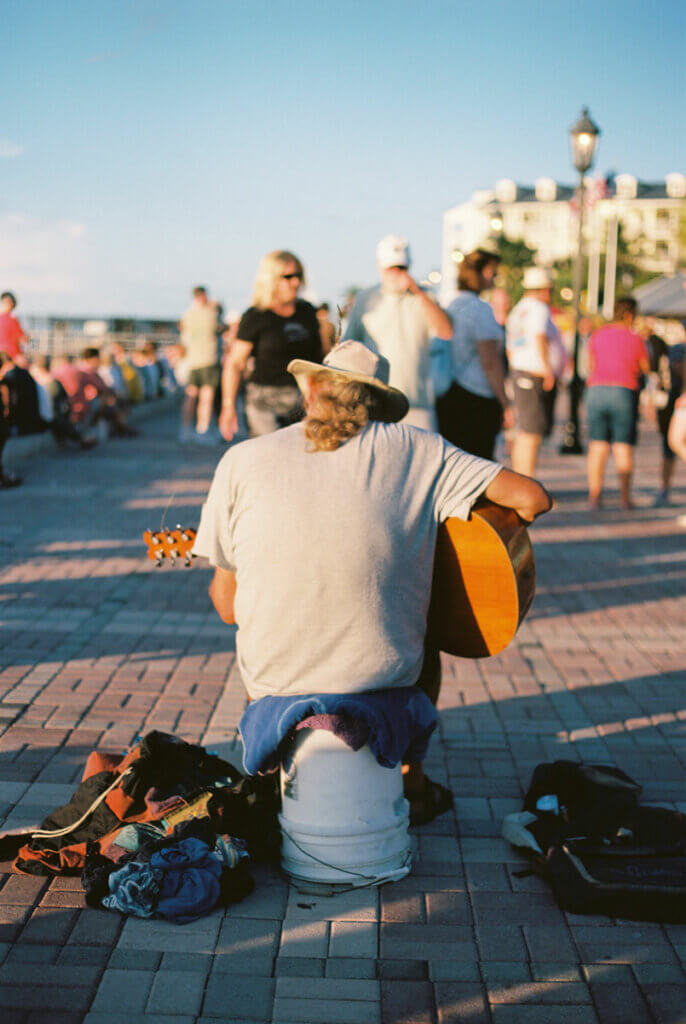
(583, 137)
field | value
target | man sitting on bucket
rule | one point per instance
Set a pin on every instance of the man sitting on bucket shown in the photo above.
(322, 535)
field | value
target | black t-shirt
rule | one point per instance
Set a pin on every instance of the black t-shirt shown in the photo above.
(278, 339)
(24, 416)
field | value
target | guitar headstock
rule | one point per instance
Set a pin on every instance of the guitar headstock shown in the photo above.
(170, 545)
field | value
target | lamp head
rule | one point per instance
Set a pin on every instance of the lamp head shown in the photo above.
(583, 137)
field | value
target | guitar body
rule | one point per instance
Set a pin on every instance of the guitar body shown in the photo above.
(483, 584)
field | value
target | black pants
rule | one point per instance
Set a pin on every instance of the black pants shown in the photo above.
(469, 421)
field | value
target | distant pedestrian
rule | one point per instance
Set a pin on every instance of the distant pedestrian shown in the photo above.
(22, 408)
(398, 320)
(534, 348)
(12, 336)
(617, 356)
(668, 366)
(326, 328)
(7, 479)
(277, 328)
(132, 378)
(56, 410)
(199, 327)
(470, 414)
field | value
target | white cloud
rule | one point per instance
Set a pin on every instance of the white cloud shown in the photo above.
(8, 149)
(44, 261)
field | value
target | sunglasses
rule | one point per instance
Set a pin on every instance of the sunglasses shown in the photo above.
(398, 267)
(291, 277)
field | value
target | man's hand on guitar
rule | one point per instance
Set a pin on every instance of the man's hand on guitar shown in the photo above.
(527, 497)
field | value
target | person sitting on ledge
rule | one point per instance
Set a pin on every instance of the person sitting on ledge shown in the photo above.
(322, 536)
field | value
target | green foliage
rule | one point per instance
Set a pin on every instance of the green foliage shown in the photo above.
(515, 255)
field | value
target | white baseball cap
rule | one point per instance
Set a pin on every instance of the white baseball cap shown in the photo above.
(393, 251)
(537, 277)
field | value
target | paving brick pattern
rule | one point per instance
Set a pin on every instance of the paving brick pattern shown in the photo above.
(96, 645)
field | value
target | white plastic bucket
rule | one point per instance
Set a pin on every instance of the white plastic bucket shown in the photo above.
(344, 819)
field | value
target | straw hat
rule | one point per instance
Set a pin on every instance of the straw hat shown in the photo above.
(352, 360)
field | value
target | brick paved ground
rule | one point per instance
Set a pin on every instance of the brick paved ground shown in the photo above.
(97, 645)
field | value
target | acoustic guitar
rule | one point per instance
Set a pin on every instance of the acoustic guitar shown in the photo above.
(483, 582)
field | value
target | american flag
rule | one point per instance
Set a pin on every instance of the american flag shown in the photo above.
(596, 188)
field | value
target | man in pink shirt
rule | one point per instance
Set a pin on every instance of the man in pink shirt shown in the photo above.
(617, 357)
(12, 336)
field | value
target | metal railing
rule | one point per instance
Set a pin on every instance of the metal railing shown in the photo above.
(65, 342)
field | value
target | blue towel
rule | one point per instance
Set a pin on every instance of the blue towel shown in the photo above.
(189, 880)
(400, 723)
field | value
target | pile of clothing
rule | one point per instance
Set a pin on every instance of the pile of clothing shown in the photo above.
(180, 877)
(166, 830)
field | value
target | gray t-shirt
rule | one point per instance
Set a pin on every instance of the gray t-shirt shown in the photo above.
(333, 553)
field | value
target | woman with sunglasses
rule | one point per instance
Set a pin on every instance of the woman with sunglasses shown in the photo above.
(277, 328)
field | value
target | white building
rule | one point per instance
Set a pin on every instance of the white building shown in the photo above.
(545, 216)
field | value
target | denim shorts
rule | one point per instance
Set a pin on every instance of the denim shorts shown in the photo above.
(612, 414)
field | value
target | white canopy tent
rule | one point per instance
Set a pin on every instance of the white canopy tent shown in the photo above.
(664, 297)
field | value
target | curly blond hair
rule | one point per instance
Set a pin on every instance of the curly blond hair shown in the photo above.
(339, 409)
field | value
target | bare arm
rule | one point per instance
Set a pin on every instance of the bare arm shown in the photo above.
(222, 593)
(542, 345)
(494, 371)
(527, 497)
(233, 371)
(437, 320)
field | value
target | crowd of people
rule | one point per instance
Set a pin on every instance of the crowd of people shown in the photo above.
(475, 371)
(78, 399)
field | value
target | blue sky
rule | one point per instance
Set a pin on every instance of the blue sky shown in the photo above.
(151, 144)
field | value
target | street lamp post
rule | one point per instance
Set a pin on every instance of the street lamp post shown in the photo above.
(583, 138)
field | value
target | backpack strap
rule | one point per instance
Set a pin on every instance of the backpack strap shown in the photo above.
(55, 833)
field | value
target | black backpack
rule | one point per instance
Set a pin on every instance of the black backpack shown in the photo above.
(601, 851)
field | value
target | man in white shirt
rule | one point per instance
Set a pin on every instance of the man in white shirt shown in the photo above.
(398, 320)
(533, 353)
(322, 535)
